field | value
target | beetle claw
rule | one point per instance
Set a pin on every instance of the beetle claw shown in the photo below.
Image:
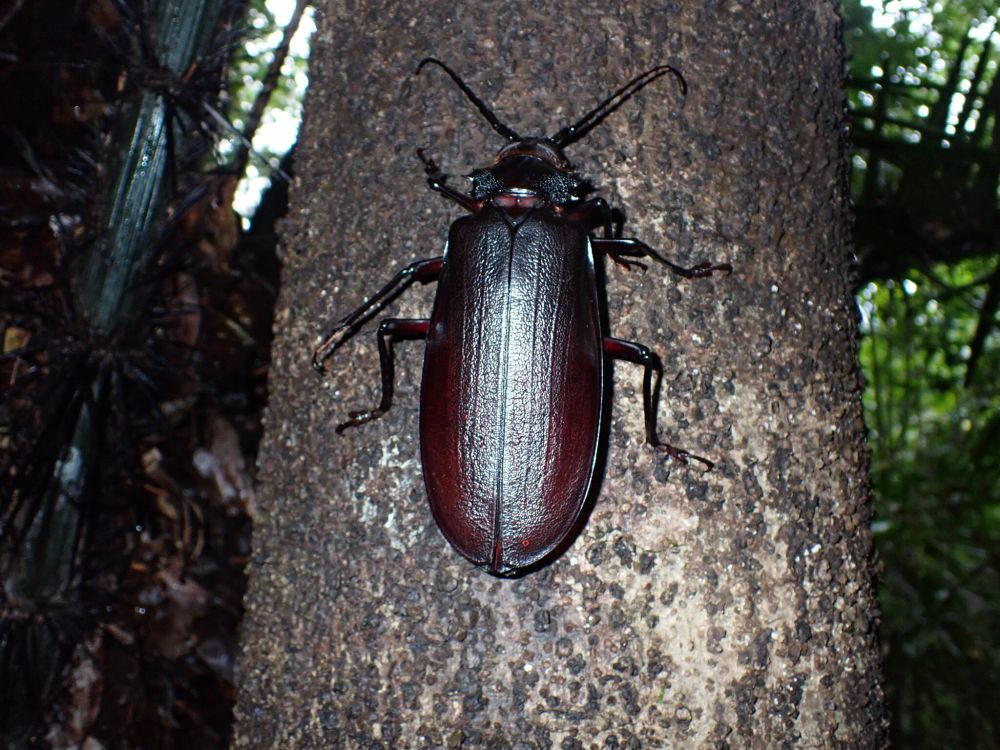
(683, 455)
(358, 418)
(706, 268)
(431, 169)
(327, 346)
(627, 263)
(318, 364)
(703, 270)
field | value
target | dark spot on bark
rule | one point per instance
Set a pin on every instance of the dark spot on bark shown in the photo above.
(646, 562)
(328, 720)
(668, 596)
(696, 490)
(595, 554)
(576, 664)
(618, 618)
(626, 665)
(630, 696)
(661, 470)
(531, 678)
(711, 577)
(543, 620)
(624, 553)
(715, 636)
(518, 696)
(709, 147)
(473, 704)
(543, 739)
(802, 630)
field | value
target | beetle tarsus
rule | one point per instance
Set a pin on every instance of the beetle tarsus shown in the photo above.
(327, 346)
(438, 182)
(358, 418)
(641, 355)
(683, 456)
(700, 271)
(390, 331)
(627, 264)
(431, 169)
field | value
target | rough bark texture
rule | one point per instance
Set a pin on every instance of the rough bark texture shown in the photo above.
(730, 609)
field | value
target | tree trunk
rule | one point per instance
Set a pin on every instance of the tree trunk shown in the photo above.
(728, 608)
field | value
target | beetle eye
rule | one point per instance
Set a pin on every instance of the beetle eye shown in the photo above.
(484, 184)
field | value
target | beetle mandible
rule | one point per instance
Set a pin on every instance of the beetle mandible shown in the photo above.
(513, 379)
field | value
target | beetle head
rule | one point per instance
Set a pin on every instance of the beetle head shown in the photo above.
(538, 166)
(531, 166)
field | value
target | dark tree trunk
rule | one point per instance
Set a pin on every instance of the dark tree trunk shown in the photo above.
(730, 608)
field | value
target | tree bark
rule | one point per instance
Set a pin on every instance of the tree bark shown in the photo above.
(733, 608)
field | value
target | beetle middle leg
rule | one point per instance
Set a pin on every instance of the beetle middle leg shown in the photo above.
(390, 331)
(619, 248)
(596, 213)
(641, 355)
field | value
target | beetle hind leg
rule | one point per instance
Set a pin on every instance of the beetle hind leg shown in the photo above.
(641, 355)
(390, 331)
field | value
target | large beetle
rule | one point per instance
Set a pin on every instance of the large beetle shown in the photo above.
(513, 380)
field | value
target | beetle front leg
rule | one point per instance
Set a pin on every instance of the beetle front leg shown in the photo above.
(641, 355)
(620, 248)
(423, 271)
(390, 331)
(596, 213)
(437, 181)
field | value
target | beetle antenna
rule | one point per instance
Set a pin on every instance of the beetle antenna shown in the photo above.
(484, 110)
(576, 131)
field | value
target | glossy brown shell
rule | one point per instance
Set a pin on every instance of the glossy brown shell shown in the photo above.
(512, 386)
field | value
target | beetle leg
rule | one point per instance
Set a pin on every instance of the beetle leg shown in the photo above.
(437, 180)
(628, 265)
(423, 271)
(637, 249)
(390, 331)
(596, 213)
(641, 355)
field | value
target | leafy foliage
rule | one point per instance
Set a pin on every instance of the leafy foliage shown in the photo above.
(925, 101)
(936, 473)
(268, 68)
(926, 138)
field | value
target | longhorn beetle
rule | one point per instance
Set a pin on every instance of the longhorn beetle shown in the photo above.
(513, 378)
